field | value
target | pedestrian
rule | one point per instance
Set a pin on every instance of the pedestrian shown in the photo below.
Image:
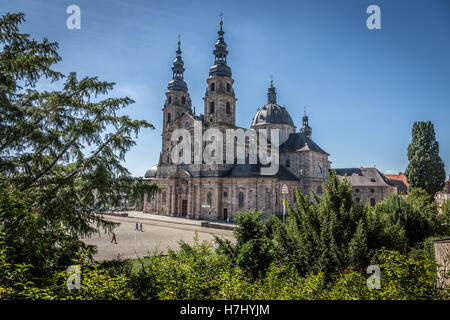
(137, 227)
(141, 227)
(114, 238)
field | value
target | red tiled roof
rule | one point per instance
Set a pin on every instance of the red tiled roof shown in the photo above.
(399, 177)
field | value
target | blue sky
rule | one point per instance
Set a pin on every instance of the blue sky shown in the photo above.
(363, 89)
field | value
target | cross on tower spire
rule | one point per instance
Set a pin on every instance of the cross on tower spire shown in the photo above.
(177, 83)
(220, 67)
(271, 93)
(306, 129)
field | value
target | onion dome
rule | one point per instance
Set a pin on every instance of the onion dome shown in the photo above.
(220, 67)
(272, 113)
(177, 83)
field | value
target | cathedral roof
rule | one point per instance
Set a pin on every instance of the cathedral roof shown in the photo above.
(254, 170)
(272, 113)
(151, 173)
(299, 141)
(363, 177)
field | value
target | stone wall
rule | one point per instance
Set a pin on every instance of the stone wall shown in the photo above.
(222, 195)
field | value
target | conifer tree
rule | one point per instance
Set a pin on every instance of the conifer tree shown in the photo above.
(358, 251)
(426, 169)
(44, 160)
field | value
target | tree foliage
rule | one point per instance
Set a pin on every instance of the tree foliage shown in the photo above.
(253, 250)
(426, 169)
(60, 151)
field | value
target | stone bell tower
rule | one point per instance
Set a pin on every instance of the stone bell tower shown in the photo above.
(178, 102)
(220, 101)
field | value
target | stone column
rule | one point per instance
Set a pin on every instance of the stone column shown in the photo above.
(219, 200)
(199, 200)
(173, 203)
(189, 209)
(156, 202)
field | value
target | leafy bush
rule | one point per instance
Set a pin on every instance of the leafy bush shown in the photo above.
(17, 282)
(192, 272)
(253, 251)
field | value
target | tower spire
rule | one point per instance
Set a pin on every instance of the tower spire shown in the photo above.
(220, 67)
(177, 83)
(271, 93)
(306, 129)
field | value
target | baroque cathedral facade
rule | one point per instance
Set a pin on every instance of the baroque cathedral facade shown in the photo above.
(219, 191)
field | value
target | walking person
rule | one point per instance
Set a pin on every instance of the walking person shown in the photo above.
(114, 238)
(141, 227)
(137, 227)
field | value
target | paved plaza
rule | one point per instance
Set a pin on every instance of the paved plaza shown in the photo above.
(157, 236)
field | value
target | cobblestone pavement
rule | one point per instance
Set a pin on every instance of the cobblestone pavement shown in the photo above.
(156, 236)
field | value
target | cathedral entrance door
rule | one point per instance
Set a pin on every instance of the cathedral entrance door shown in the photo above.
(225, 214)
(184, 208)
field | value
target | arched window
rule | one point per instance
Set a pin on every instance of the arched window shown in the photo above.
(372, 202)
(372, 190)
(241, 199)
(208, 198)
(228, 87)
(318, 170)
(183, 100)
(357, 190)
(211, 107)
(288, 163)
(213, 86)
(319, 190)
(228, 108)
(170, 99)
(168, 117)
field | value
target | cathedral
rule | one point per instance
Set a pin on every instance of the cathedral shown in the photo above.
(219, 191)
